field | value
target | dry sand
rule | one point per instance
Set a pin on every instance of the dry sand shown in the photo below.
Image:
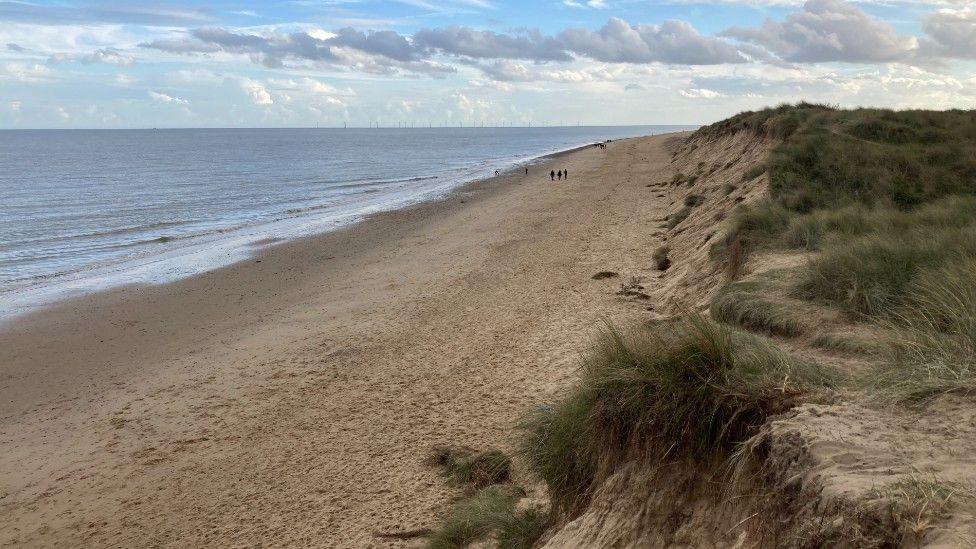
(290, 399)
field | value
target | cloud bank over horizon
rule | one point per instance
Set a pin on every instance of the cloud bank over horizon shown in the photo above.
(89, 64)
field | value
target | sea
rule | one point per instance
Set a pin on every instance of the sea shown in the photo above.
(86, 210)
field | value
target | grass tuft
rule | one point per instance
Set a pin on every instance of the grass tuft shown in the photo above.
(777, 122)
(753, 173)
(490, 512)
(466, 467)
(520, 530)
(661, 259)
(752, 227)
(846, 344)
(691, 388)
(676, 218)
(932, 346)
(853, 169)
(870, 275)
(746, 304)
(920, 502)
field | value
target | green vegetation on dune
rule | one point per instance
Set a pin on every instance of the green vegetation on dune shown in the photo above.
(865, 158)
(870, 275)
(884, 204)
(688, 388)
(887, 200)
(933, 342)
(490, 512)
(752, 305)
(778, 122)
(466, 467)
(810, 231)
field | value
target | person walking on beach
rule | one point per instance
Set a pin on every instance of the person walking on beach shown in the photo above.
(552, 175)
(559, 174)
(526, 171)
(566, 174)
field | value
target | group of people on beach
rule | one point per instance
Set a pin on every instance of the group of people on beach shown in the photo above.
(564, 173)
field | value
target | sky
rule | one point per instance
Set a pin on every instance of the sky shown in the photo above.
(303, 63)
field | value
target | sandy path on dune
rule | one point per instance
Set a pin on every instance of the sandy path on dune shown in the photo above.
(291, 399)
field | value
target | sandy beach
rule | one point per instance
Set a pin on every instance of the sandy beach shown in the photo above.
(291, 399)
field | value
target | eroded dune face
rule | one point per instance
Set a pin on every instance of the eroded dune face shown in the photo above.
(836, 470)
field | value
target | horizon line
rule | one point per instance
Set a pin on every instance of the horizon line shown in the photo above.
(428, 127)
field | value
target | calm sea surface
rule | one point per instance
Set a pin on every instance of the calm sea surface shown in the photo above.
(85, 210)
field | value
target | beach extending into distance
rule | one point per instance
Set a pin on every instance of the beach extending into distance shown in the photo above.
(475, 274)
(292, 398)
(107, 208)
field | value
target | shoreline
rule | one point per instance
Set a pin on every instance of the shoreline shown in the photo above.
(205, 253)
(292, 397)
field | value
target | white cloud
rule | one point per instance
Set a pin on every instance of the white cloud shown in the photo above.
(256, 92)
(196, 76)
(387, 51)
(700, 93)
(675, 42)
(73, 41)
(27, 72)
(829, 30)
(953, 32)
(109, 56)
(594, 4)
(514, 71)
(163, 98)
(310, 86)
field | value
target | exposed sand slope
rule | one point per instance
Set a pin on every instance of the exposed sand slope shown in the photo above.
(292, 401)
(842, 471)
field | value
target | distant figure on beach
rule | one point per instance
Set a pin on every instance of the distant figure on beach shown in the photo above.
(552, 175)
(496, 173)
(559, 174)
(526, 171)
(566, 174)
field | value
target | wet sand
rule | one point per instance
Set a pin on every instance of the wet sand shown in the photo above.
(290, 399)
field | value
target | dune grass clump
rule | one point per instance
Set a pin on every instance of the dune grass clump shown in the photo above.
(869, 276)
(661, 259)
(846, 344)
(521, 529)
(813, 230)
(467, 467)
(753, 172)
(752, 227)
(899, 515)
(490, 512)
(676, 218)
(932, 346)
(748, 305)
(919, 502)
(690, 203)
(850, 168)
(688, 388)
(777, 122)
(834, 159)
